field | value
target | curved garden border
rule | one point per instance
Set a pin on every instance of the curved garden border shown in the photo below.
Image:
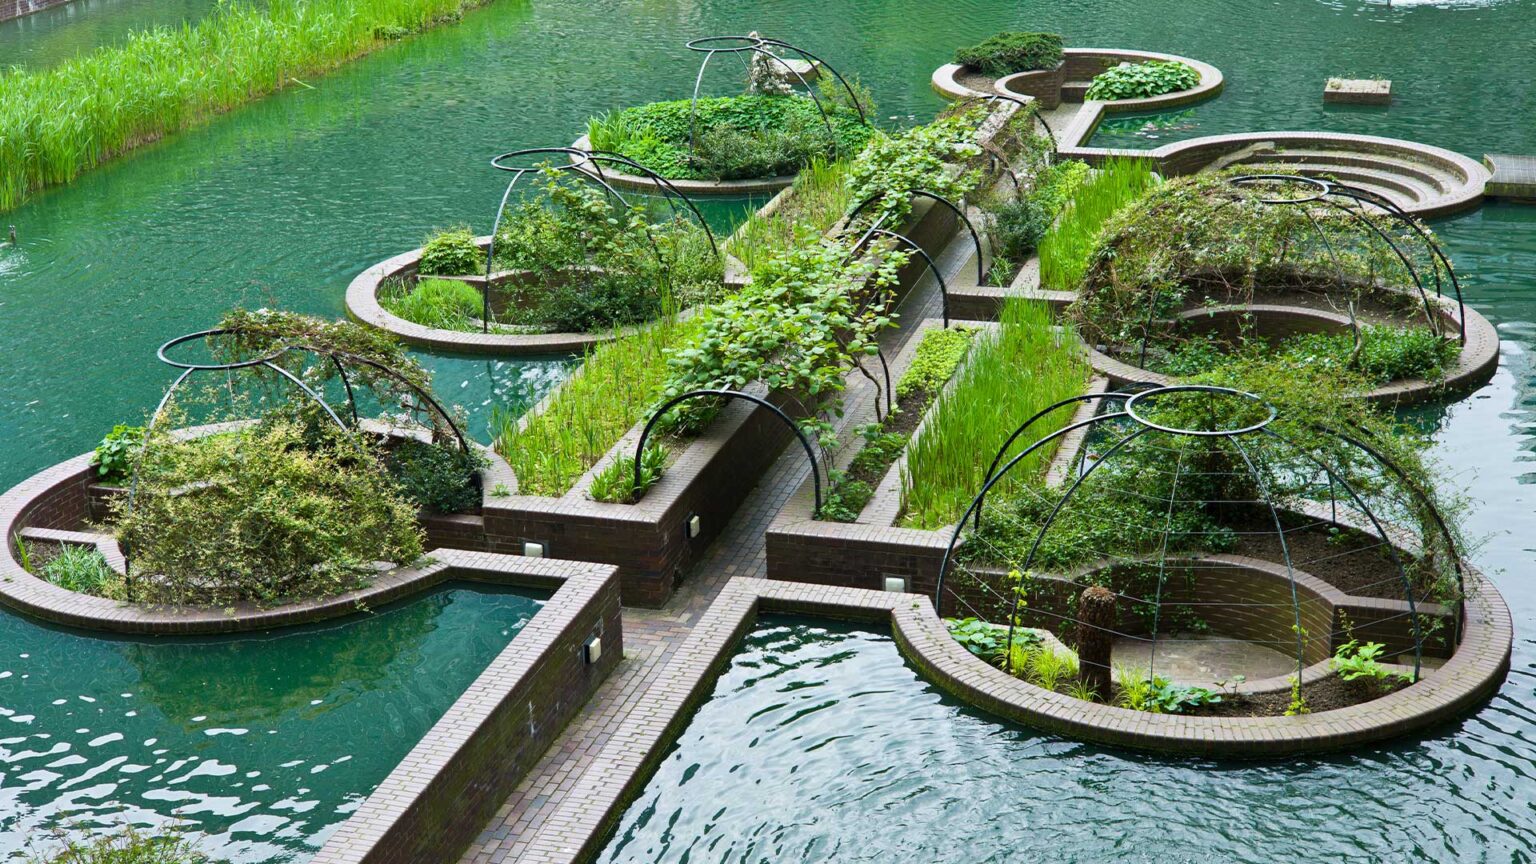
(363, 306)
(54, 503)
(1478, 360)
(1087, 61)
(760, 186)
(1473, 673)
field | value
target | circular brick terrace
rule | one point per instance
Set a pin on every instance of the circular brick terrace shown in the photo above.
(1471, 675)
(55, 504)
(1478, 360)
(1078, 62)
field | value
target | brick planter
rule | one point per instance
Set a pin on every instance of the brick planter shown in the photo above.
(58, 504)
(640, 183)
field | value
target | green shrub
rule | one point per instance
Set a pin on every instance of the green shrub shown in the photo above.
(1019, 224)
(451, 252)
(1386, 353)
(934, 361)
(265, 514)
(1011, 51)
(446, 304)
(845, 500)
(128, 846)
(1141, 80)
(115, 454)
(891, 166)
(438, 477)
(82, 569)
(747, 136)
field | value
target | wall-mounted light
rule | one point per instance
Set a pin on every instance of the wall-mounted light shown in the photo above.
(897, 584)
(593, 650)
(695, 525)
(534, 550)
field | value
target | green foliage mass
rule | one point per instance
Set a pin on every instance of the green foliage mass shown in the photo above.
(934, 362)
(1012, 51)
(265, 514)
(738, 137)
(445, 304)
(891, 166)
(451, 252)
(438, 477)
(115, 454)
(1142, 80)
(127, 846)
(1067, 248)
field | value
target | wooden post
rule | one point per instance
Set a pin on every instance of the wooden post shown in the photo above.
(1095, 638)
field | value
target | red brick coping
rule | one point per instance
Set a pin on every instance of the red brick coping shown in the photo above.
(434, 803)
(58, 503)
(363, 306)
(640, 183)
(580, 826)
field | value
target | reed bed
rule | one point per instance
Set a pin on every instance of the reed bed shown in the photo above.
(1066, 247)
(615, 387)
(818, 198)
(58, 122)
(1012, 372)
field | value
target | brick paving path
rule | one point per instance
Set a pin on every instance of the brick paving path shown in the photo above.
(651, 635)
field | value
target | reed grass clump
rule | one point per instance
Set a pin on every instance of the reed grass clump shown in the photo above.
(616, 386)
(818, 198)
(1025, 365)
(58, 122)
(1067, 247)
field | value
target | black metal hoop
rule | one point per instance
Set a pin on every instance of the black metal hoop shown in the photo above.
(1130, 410)
(805, 442)
(981, 272)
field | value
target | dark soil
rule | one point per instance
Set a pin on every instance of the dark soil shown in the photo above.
(1328, 694)
(975, 80)
(1350, 561)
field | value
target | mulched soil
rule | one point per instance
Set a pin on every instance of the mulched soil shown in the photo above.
(1326, 695)
(1354, 563)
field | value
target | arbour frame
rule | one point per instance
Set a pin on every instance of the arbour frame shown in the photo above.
(1353, 499)
(588, 165)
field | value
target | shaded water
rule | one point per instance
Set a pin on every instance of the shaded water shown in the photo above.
(821, 744)
(264, 742)
(284, 201)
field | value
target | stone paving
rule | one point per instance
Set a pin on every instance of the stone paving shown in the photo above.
(651, 636)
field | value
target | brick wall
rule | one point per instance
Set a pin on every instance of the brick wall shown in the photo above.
(16, 8)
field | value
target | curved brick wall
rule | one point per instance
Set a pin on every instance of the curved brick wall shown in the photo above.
(763, 186)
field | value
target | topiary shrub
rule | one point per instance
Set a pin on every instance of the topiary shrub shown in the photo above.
(1010, 51)
(267, 513)
(1142, 80)
(451, 252)
(437, 477)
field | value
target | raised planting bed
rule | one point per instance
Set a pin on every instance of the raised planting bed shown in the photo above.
(738, 145)
(1071, 81)
(66, 507)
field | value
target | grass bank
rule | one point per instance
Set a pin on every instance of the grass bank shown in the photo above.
(57, 123)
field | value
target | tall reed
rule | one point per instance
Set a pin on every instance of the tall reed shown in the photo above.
(818, 198)
(58, 122)
(1065, 249)
(1023, 366)
(615, 387)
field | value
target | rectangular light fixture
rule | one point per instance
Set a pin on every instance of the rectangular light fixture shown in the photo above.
(897, 584)
(695, 526)
(593, 650)
(533, 550)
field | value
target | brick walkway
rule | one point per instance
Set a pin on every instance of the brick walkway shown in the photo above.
(651, 635)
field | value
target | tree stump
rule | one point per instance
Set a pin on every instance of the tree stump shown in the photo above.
(1095, 638)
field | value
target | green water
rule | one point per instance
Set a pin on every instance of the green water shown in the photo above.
(61, 33)
(821, 744)
(263, 743)
(284, 201)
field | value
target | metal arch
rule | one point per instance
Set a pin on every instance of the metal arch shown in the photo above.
(731, 394)
(676, 194)
(981, 272)
(1413, 272)
(976, 502)
(848, 88)
(1413, 612)
(1086, 397)
(757, 45)
(395, 375)
(579, 158)
(1398, 213)
(1050, 520)
(1285, 552)
(928, 259)
(1428, 502)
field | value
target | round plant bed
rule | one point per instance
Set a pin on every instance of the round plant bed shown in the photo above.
(363, 306)
(1470, 676)
(1476, 363)
(57, 506)
(1070, 81)
(640, 183)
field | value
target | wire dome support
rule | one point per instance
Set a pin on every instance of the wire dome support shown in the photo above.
(586, 165)
(659, 413)
(1212, 528)
(753, 45)
(853, 215)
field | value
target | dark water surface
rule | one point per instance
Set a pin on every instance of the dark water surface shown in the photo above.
(284, 201)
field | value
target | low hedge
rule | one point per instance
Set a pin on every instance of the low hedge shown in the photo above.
(1009, 52)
